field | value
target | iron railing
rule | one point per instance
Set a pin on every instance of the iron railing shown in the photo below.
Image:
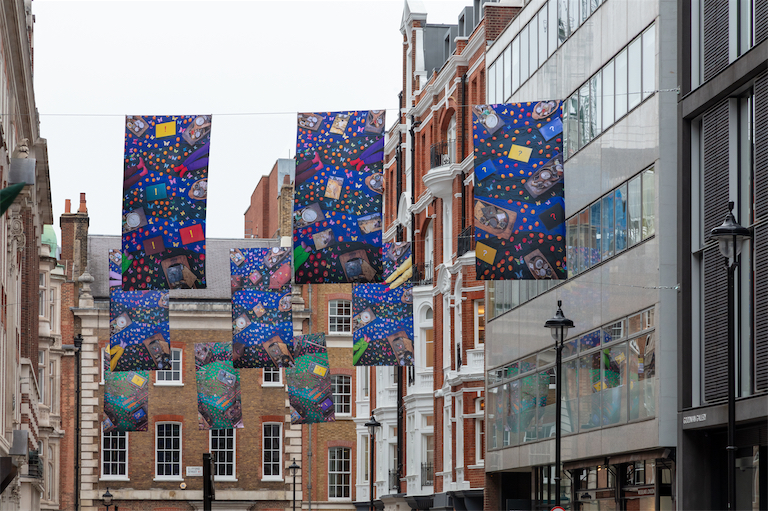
(423, 274)
(442, 153)
(35, 468)
(394, 481)
(427, 474)
(466, 241)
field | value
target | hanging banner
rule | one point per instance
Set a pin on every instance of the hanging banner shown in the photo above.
(519, 207)
(382, 314)
(126, 400)
(218, 387)
(139, 333)
(337, 222)
(309, 381)
(262, 321)
(165, 186)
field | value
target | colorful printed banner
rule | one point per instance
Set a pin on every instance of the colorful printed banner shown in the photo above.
(309, 381)
(382, 321)
(218, 387)
(126, 400)
(165, 185)
(337, 202)
(139, 334)
(519, 204)
(262, 321)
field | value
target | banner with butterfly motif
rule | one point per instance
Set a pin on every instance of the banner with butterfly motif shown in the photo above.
(139, 331)
(126, 400)
(165, 186)
(262, 318)
(382, 314)
(309, 381)
(218, 387)
(337, 211)
(519, 206)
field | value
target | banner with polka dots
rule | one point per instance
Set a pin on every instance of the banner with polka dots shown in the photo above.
(337, 215)
(165, 186)
(309, 381)
(519, 206)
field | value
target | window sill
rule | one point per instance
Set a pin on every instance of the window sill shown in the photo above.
(168, 478)
(480, 465)
(225, 479)
(272, 384)
(343, 416)
(114, 478)
(339, 334)
(273, 479)
(168, 384)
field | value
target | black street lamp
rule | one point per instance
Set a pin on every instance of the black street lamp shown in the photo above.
(78, 340)
(293, 468)
(731, 236)
(558, 327)
(106, 499)
(372, 425)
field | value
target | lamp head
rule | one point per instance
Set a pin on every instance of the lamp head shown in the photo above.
(106, 499)
(79, 344)
(559, 325)
(372, 425)
(730, 235)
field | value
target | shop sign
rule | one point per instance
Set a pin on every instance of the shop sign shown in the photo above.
(699, 417)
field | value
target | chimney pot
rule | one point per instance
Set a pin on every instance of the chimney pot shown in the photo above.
(67, 206)
(83, 208)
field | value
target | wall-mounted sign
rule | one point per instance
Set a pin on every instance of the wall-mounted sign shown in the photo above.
(194, 471)
(700, 417)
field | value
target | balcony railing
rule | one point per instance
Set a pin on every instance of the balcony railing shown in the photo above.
(442, 153)
(466, 241)
(424, 274)
(35, 468)
(427, 474)
(394, 481)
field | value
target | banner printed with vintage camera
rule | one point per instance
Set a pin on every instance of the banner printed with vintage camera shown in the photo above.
(126, 400)
(165, 186)
(139, 332)
(382, 314)
(262, 318)
(337, 209)
(519, 208)
(309, 381)
(218, 387)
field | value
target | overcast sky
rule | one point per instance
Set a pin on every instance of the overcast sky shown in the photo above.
(252, 64)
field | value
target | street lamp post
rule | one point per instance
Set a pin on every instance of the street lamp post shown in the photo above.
(731, 236)
(78, 340)
(372, 425)
(106, 499)
(558, 327)
(293, 468)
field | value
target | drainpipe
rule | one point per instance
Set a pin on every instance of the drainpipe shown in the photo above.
(414, 125)
(463, 151)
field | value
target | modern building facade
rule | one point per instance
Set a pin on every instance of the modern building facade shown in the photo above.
(723, 139)
(614, 64)
(429, 449)
(28, 430)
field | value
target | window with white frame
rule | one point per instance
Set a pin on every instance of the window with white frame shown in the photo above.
(479, 323)
(339, 473)
(114, 455)
(273, 376)
(479, 430)
(339, 316)
(364, 458)
(342, 394)
(271, 453)
(168, 450)
(173, 375)
(105, 358)
(41, 295)
(52, 308)
(363, 382)
(41, 375)
(223, 452)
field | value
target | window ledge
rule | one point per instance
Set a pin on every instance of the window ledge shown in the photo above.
(343, 416)
(277, 479)
(272, 384)
(225, 479)
(481, 465)
(114, 478)
(168, 478)
(168, 384)
(339, 334)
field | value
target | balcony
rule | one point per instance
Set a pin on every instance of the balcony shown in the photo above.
(35, 467)
(425, 274)
(394, 481)
(466, 241)
(427, 474)
(442, 153)
(476, 360)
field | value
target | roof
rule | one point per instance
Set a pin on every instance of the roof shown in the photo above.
(49, 238)
(216, 268)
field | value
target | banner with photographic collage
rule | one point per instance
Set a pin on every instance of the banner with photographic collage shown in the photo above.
(126, 399)
(309, 381)
(262, 320)
(519, 206)
(382, 314)
(165, 186)
(139, 332)
(218, 387)
(337, 210)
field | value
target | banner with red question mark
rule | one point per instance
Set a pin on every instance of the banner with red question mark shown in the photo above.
(519, 207)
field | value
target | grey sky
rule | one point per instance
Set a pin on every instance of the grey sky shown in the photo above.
(252, 64)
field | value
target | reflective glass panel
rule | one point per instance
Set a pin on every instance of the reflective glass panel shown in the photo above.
(590, 340)
(563, 30)
(528, 364)
(635, 67)
(533, 41)
(607, 227)
(589, 391)
(569, 418)
(608, 95)
(515, 64)
(547, 393)
(595, 100)
(620, 202)
(642, 369)
(543, 27)
(528, 388)
(507, 73)
(572, 234)
(547, 357)
(552, 30)
(584, 243)
(524, 55)
(492, 83)
(585, 126)
(595, 234)
(621, 84)
(634, 207)
(614, 384)
(649, 203)
(500, 79)
(513, 419)
(573, 15)
(649, 61)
